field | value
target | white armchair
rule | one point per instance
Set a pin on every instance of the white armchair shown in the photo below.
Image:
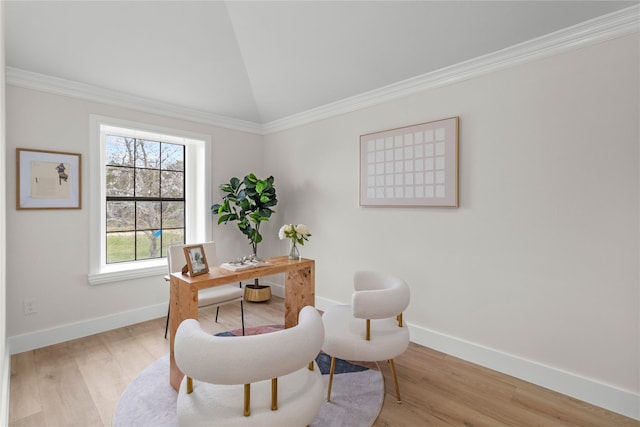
(371, 329)
(266, 380)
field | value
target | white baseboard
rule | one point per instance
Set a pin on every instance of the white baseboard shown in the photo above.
(276, 289)
(70, 331)
(570, 384)
(603, 395)
(588, 390)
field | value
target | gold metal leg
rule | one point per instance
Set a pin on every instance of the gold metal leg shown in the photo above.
(189, 385)
(247, 400)
(333, 368)
(311, 366)
(274, 394)
(395, 379)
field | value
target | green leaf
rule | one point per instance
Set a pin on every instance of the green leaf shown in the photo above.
(265, 212)
(265, 199)
(245, 205)
(235, 183)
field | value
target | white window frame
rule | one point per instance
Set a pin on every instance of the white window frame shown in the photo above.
(197, 195)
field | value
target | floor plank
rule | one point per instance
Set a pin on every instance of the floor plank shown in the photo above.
(65, 396)
(25, 396)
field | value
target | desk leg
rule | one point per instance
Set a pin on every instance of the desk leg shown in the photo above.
(184, 305)
(299, 291)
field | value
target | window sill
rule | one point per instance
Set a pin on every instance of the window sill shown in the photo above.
(128, 271)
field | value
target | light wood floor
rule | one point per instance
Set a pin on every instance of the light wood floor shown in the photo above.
(78, 383)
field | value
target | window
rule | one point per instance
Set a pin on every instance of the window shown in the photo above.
(145, 201)
(149, 190)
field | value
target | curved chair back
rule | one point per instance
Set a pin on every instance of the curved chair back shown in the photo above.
(224, 360)
(379, 295)
(371, 328)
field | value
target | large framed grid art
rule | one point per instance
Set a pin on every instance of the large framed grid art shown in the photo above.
(411, 166)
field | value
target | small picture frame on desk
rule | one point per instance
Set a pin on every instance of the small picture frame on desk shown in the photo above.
(196, 260)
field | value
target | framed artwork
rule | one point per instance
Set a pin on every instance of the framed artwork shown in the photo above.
(196, 260)
(411, 166)
(48, 180)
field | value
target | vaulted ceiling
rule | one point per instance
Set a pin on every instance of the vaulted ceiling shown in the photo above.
(267, 60)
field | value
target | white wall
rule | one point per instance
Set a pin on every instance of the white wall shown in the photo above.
(540, 264)
(48, 256)
(5, 373)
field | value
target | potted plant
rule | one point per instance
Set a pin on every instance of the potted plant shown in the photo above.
(248, 203)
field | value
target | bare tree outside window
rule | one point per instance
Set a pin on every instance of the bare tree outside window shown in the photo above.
(145, 200)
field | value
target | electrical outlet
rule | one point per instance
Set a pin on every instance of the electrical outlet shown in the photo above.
(29, 306)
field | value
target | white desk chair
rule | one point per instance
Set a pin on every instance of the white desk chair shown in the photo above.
(371, 329)
(216, 295)
(255, 380)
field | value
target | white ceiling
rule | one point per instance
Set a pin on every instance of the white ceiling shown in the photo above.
(267, 60)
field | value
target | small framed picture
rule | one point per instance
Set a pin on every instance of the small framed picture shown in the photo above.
(196, 260)
(47, 180)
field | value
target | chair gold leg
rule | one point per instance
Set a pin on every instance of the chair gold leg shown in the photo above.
(189, 385)
(274, 394)
(333, 368)
(247, 400)
(311, 366)
(395, 379)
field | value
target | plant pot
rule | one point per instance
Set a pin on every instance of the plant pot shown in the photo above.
(257, 293)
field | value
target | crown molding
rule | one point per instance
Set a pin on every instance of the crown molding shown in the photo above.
(597, 30)
(617, 24)
(58, 86)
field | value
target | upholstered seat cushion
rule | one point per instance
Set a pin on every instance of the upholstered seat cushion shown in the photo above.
(345, 336)
(299, 400)
(219, 295)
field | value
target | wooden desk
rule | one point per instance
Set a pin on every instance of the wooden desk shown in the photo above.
(299, 292)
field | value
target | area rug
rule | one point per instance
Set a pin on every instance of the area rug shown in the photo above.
(356, 397)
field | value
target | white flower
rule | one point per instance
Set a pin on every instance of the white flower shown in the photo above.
(297, 233)
(285, 230)
(302, 229)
